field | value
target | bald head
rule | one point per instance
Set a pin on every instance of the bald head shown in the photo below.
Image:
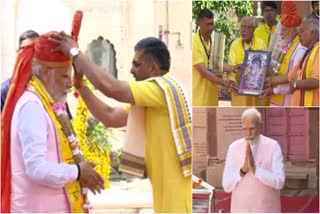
(309, 32)
(313, 26)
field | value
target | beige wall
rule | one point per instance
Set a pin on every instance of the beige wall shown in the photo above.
(123, 22)
(7, 37)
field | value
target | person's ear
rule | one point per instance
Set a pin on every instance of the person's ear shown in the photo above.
(44, 74)
(155, 69)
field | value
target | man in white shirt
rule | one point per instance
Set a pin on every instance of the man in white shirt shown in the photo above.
(38, 169)
(254, 169)
(294, 51)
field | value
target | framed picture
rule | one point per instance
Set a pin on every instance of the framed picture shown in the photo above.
(253, 73)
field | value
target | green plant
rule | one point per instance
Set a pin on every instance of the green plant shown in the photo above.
(100, 134)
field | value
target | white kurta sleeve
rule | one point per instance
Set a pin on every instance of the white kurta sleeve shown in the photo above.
(284, 89)
(276, 177)
(33, 132)
(298, 55)
(230, 176)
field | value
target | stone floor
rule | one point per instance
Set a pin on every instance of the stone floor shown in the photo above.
(292, 202)
(223, 103)
(124, 197)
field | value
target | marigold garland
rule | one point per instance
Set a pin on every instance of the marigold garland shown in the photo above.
(91, 150)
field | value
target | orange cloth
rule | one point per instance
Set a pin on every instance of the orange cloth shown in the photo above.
(289, 14)
(43, 53)
(40, 51)
(18, 83)
(76, 24)
(297, 95)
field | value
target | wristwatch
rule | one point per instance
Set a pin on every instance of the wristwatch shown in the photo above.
(73, 52)
(295, 84)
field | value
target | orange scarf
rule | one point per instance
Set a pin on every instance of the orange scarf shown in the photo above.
(19, 80)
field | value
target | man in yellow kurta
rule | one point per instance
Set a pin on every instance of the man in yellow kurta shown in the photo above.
(166, 118)
(265, 31)
(236, 56)
(304, 77)
(205, 83)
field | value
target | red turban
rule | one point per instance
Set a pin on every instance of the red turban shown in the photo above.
(44, 54)
(289, 14)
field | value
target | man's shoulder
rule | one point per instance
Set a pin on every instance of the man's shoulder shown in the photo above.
(260, 28)
(236, 43)
(195, 40)
(268, 140)
(259, 43)
(30, 101)
(312, 16)
(236, 143)
(195, 35)
(5, 85)
(28, 96)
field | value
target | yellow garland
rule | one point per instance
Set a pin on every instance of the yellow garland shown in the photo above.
(90, 149)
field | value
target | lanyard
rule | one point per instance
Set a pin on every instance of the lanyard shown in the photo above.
(205, 48)
(244, 49)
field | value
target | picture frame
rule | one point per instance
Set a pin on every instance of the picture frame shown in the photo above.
(253, 73)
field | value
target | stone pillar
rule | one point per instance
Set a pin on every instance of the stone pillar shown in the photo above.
(200, 145)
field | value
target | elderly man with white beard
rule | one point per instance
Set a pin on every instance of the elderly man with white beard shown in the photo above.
(254, 169)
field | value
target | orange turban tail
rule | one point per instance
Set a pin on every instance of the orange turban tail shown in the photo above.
(18, 83)
(289, 14)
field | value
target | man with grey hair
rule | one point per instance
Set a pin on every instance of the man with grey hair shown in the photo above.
(236, 56)
(38, 169)
(254, 169)
(304, 76)
(290, 22)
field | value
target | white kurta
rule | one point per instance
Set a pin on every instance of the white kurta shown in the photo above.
(38, 175)
(250, 192)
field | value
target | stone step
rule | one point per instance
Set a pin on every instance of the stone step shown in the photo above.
(124, 197)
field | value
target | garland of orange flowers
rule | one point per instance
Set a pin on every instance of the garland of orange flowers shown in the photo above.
(197, 184)
(91, 150)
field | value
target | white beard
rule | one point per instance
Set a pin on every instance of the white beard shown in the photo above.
(252, 141)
